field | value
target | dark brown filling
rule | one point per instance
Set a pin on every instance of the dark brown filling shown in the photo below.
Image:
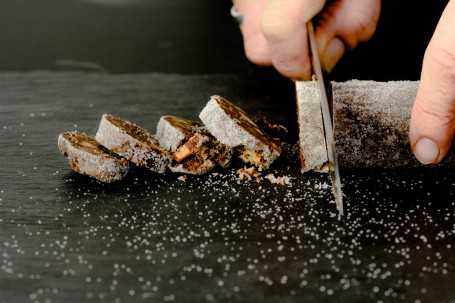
(199, 148)
(185, 125)
(131, 129)
(277, 133)
(252, 157)
(136, 132)
(88, 143)
(240, 117)
(219, 152)
(193, 163)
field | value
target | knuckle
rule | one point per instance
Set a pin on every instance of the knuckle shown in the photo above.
(276, 27)
(286, 70)
(368, 20)
(440, 65)
(438, 112)
(366, 30)
(294, 68)
(363, 30)
(441, 62)
(258, 57)
(356, 21)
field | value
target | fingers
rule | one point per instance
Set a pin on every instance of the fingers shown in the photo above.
(343, 25)
(332, 52)
(275, 33)
(256, 47)
(433, 115)
(284, 29)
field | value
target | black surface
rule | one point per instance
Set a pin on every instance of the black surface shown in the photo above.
(120, 36)
(186, 36)
(67, 238)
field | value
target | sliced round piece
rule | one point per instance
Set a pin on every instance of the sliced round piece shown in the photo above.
(88, 157)
(133, 143)
(190, 141)
(231, 126)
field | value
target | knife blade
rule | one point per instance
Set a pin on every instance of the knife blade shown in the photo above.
(327, 121)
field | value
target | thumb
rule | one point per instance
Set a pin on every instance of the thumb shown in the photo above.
(433, 115)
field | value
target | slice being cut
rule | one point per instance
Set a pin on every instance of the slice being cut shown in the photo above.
(133, 143)
(313, 150)
(231, 126)
(88, 157)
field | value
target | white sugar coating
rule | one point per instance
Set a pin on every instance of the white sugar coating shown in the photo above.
(142, 152)
(227, 131)
(392, 100)
(371, 123)
(168, 136)
(102, 166)
(312, 143)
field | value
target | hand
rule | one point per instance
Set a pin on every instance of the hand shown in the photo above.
(433, 115)
(274, 31)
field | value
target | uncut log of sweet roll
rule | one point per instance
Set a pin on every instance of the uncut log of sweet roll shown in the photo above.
(371, 124)
(370, 121)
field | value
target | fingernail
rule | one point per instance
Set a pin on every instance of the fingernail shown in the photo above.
(426, 151)
(333, 53)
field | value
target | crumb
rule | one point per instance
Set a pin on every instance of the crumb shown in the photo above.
(246, 173)
(244, 176)
(282, 180)
(182, 178)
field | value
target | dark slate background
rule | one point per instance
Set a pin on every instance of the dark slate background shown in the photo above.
(67, 238)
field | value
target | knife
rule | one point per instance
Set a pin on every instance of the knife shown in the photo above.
(327, 120)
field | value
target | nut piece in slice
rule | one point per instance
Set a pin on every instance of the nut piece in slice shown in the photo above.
(193, 157)
(194, 145)
(231, 126)
(88, 157)
(133, 143)
(172, 131)
(194, 149)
